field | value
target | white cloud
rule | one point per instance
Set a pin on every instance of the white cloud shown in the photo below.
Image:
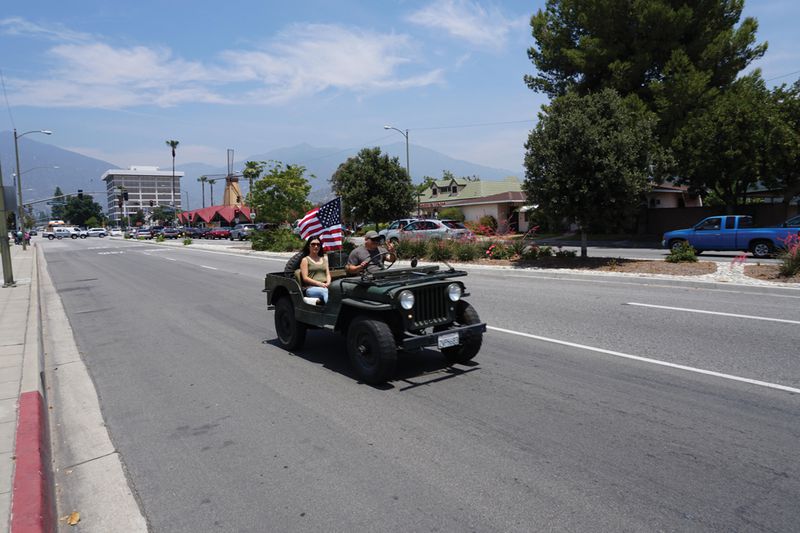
(301, 61)
(56, 32)
(468, 21)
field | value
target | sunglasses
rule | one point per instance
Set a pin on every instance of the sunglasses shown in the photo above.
(315, 244)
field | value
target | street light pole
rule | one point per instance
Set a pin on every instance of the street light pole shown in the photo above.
(20, 220)
(408, 167)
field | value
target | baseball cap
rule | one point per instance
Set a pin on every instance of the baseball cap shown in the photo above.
(372, 235)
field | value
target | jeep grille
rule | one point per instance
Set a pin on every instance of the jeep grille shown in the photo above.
(431, 307)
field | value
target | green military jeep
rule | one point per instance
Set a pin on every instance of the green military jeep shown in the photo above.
(381, 314)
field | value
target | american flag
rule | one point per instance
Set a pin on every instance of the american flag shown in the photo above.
(326, 222)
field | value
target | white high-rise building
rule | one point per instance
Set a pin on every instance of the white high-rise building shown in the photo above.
(147, 187)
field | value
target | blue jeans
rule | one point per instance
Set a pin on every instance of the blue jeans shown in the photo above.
(318, 292)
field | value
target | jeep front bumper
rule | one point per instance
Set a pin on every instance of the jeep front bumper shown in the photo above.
(465, 333)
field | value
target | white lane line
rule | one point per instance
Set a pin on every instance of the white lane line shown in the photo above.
(208, 267)
(750, 317)
(169, 259)
(651, 361)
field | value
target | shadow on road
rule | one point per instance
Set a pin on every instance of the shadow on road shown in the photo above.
(414, 369)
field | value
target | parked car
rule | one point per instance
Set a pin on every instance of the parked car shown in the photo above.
(195, 233)
(241, 232)
(392, 232)
(432, 228)
(155, 230)
(171, 233)
(116, 232)
(730, 233)
(218, 233)
(142, 233)
(98, 232)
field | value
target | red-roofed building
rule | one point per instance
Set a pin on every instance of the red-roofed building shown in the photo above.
(217, 215)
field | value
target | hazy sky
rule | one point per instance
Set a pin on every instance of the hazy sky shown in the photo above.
(114, 80)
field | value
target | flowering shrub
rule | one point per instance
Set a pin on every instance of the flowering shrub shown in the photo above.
(414, 247)
(790, 257)
(498, 250)
(479, 229)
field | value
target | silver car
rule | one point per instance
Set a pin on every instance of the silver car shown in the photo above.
(392, 232)
(242, 231)
(432, 228)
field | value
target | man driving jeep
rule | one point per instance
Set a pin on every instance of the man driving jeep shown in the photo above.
(368, 256)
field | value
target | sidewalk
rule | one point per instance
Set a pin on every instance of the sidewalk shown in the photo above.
(25, 490)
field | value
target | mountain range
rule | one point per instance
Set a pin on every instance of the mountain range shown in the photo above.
(74, 171)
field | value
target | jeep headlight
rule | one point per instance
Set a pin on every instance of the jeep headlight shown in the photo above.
(406, 300)
(454, 292)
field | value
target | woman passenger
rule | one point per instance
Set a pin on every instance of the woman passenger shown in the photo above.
(314, 271)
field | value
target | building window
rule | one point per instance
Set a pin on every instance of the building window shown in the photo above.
(454, 189)
(433, 191)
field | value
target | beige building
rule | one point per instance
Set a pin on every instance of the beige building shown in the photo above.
(147, 188)
(504, 200)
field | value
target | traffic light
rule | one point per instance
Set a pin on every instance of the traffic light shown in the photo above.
(125, 195)
(119, 201)
(151, 203)
(80, 194)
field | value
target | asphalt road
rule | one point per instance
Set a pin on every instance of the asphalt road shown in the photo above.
(572, 418)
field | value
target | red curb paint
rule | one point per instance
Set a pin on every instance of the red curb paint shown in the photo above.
(32, 500)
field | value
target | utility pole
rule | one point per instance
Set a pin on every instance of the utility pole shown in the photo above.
(5, 251)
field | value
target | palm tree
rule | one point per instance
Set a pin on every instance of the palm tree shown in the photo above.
(173, 144)
(211, 185)
(203, 180)
(252, 170)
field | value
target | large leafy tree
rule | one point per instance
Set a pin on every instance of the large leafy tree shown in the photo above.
(739, 139)
(78, 210)
(57, 209)
(672, 54)
(162, 214)
(589, 160)
(374, 187)
(783, 159)
(280, 195)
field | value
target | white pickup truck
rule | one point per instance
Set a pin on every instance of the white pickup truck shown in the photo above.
(72, 232)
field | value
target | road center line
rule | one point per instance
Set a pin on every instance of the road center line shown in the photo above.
(751, 317)
(208, 267)
(651, 361)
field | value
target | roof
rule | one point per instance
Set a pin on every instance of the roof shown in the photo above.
(140, 171)
(482, 189)
(207, 214)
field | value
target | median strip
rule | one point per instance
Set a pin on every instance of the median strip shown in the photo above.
(651, 361)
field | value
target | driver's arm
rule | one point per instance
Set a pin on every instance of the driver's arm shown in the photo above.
(357, 268)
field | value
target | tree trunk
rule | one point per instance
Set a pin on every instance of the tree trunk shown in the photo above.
(584, 250)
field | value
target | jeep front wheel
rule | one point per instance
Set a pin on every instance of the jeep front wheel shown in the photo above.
(291, 333)
(466, 315)
(370, 345)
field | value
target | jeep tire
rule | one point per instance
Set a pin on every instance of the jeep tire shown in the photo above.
(293, 263)
(466, 315)
(371, 348)
(291, 333)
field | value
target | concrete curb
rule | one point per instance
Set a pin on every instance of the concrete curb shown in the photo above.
(32, 501)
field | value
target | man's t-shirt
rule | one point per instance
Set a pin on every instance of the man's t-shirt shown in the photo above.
(361, 254)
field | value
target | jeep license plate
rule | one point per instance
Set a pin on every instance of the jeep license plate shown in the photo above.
(447, 340)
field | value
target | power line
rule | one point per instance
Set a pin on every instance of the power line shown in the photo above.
(784, 75)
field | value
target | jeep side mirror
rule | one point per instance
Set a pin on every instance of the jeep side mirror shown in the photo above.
(414, 262)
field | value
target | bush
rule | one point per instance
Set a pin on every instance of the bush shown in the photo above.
(466, 251)
(408, 248)
(566, 253)
(684, 253)
(439, 250)
(489, 221)
(451, 213)
(276, 240)
(790, 257)
(187, 241)
(159, 238)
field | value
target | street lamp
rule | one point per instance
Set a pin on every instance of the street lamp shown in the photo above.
(20, 220)
(408, 168)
